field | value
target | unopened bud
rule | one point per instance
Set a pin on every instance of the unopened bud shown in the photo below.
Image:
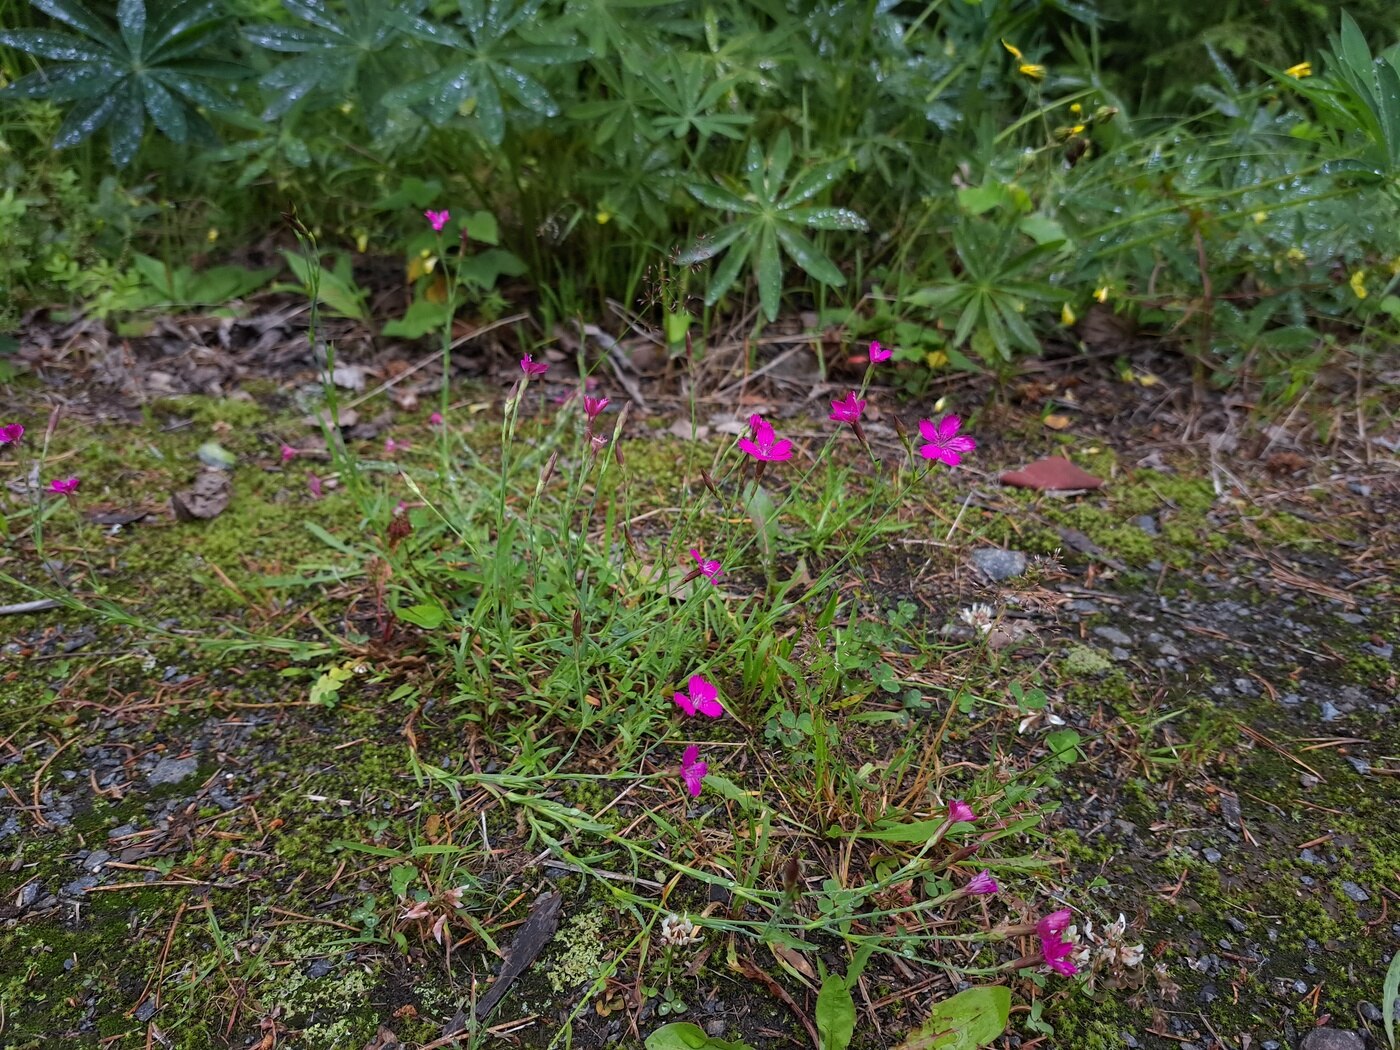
(578, 627)
(547, 473)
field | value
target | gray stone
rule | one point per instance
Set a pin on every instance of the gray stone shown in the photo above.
(1307, 856)
(79, 886)
(1330, 712)
(1235, 924)
(1211, 854)
(1370, 1011)
(173, 770)
(1147, 523)
(1355, 892)
(1351, 618)
(998, 564)
(1359, 764)
(1331, 1039)
(29, 895)
(96, 859)
(146, 1010)
(1113, 635)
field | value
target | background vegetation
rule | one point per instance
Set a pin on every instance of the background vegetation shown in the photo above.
(972, 173)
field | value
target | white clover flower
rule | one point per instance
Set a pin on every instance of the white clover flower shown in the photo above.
(978, 616)
(677, 931)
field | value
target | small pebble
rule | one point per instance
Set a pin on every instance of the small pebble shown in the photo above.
(1359, 764)
(1211, 854)
(1331, 1039)
(1355, 892)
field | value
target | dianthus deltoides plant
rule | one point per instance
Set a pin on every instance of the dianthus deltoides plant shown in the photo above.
(612, 677)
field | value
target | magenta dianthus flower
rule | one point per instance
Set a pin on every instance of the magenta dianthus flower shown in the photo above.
(693, 770)
(64, 486)
(533, 368)
(848, 409)
(764, 446)
(879, 353)
(703, 698)
(945, 444)
(960, 812)
(1054, 949)
(710, 569)
(982, 882)
(11, 433)
(437, 219)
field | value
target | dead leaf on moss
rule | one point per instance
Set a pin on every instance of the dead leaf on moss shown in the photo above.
(207, 498)
(1051, 474)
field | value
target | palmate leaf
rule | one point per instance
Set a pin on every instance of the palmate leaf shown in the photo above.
(769, 222)
(117, 77)
(339, 50)
(492, 60)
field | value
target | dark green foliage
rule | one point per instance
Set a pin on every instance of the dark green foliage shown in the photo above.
(117, 76)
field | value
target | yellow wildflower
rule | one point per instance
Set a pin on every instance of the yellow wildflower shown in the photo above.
(1301, 70)
(1296, 255)
(361, 241)
(421, 265)
(603, 216)
(1101, 293)
(1067, 315)
(936, 359)
(1078, 129)
(212, 235)
(1358, 283)
(1034, 70)
(1076, 108)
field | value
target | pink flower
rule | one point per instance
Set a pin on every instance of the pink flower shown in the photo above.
(11, 433)
(313, 485)
(708, 569)
(982, 882)
(960, 812)
(63, 487)
(593, 407)
(693, 770)
(764, 445)
(848, 409)
(435, 420)
(944, 442)
(288, 453)
(702, 698)
(598, 442)
(437, 219)
(878, 353)
(391, 446)
(531, 367)
(1054, 949)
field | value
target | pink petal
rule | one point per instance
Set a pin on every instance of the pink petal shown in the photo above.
(686, 704)
(690, 755)
(780, 451)
(948, 426)
(928, 430)
(941, 454)
(961, 443)
(748, 446)
(701, 690)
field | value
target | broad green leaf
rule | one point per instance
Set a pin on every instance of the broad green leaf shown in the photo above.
(973, 1018)
(769, 270)
(715, 197)
(418, 320)
(1389, 991)
(1042, 229)
(826, 218)
(836, 1014)
(332, 290)
(681, 1035)
(428, 617)
(976, 200)
(808, 256)
(728, 271)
